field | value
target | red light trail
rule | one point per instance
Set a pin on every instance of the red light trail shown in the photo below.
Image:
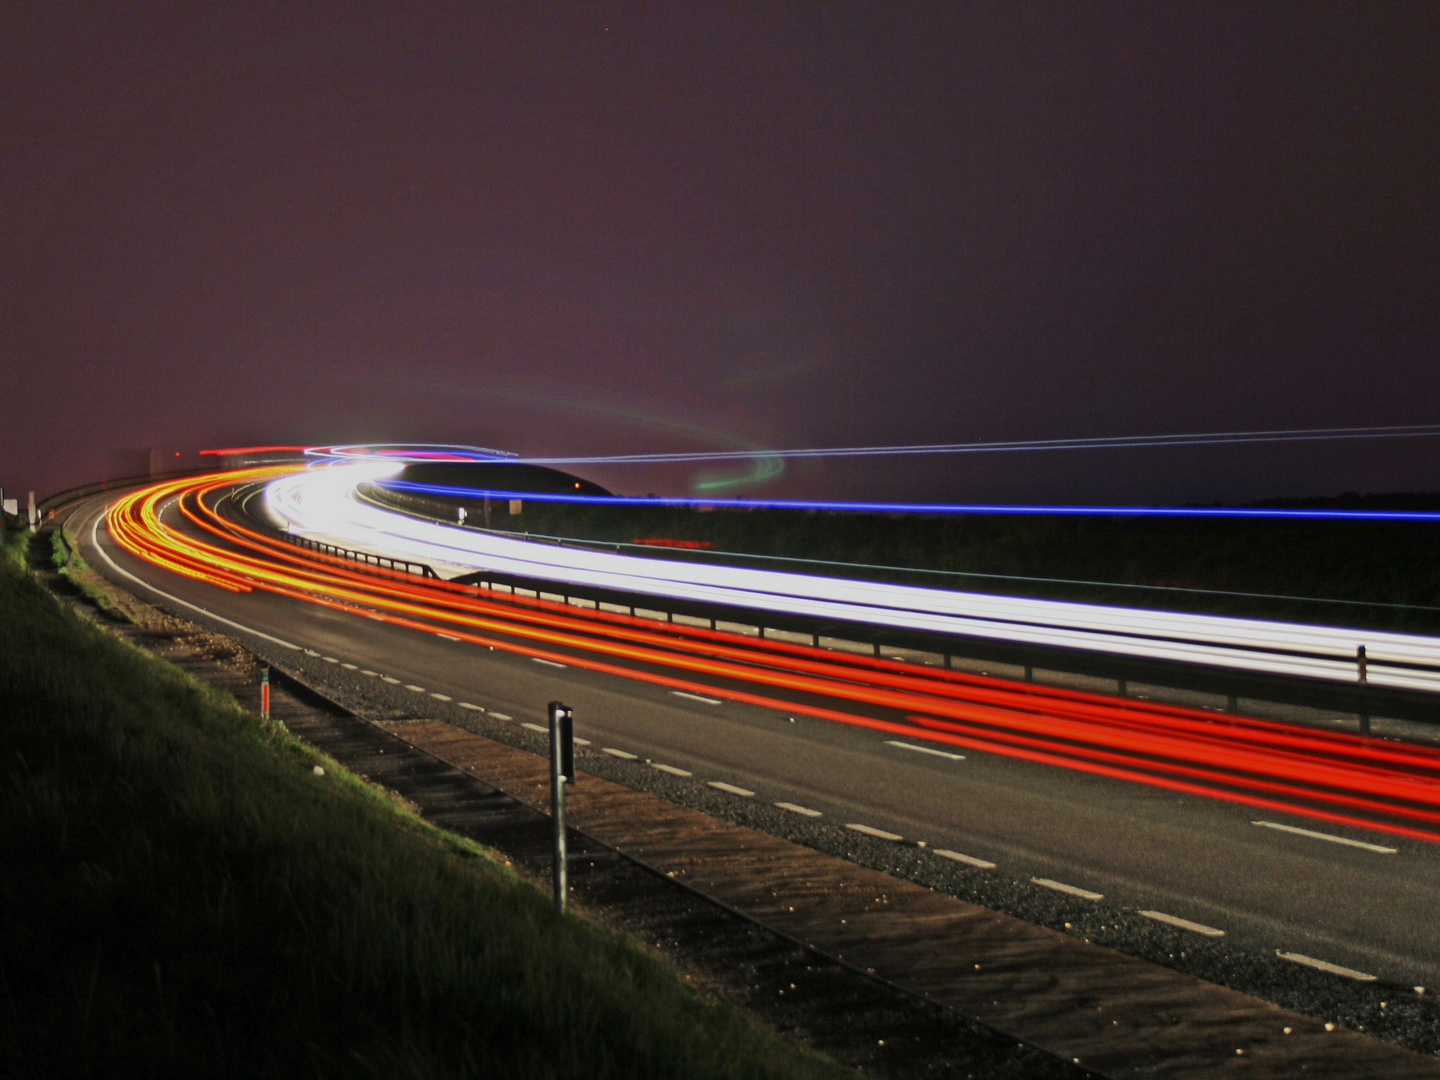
(1337, 777)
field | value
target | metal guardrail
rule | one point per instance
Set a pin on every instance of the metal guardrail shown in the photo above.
(334, 550)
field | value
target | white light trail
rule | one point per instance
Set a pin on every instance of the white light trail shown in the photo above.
(321, 503)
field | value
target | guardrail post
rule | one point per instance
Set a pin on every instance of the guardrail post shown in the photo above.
(1362, 676)
(562, 771)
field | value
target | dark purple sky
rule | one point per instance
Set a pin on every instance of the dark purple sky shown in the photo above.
(599, 228)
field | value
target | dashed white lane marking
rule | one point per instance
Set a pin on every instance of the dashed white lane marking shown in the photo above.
(796, 808)
(925, 750)
(448, 637)
(543, 730)
(350, 667)
(311, 652)
(547, 663)
(1183, 924)
(720, 785)
(330, 659)
(1326, 836)
(392, 682)
(500, 716)
(671, 769)
(372, 674)
(697, 697)
(624, 755)
(441, 697)
(414, 689)
(467, 705)
(1325, 965)
(879, 834)
(1073, 890)
(968, 860)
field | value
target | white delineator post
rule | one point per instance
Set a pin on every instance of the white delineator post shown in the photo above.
(562, 771)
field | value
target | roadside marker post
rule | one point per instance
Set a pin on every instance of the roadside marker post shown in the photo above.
(265, 693)
(1362, 676)
(562, 772)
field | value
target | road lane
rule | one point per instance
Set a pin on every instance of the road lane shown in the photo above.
(1142, 848)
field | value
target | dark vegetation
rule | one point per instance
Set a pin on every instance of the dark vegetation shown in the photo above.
(1373, 573)
(499, 476)
(1361, 573)
(183, 895)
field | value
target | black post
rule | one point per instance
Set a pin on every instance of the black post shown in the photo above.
(562, 771)
(1361, 663)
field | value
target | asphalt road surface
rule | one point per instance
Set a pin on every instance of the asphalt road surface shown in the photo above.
(1367, 904)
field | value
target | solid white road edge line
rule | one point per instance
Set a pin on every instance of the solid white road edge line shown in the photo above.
(1073, 890)
(969, 860)
(1325, 965)
(925, 750)
(1183, 924)
(795, 808)
(1326, 836)
(95, 543)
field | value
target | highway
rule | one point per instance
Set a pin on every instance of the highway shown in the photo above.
(321, 503)
(1147, 808)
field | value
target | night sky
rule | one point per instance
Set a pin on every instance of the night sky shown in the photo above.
(600, 228)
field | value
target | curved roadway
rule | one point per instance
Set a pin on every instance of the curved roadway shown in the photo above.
(1357, 897)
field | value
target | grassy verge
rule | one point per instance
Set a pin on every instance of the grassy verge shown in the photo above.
(183, 895)
(65, 557)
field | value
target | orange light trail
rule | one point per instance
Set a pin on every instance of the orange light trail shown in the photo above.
(1347, 779)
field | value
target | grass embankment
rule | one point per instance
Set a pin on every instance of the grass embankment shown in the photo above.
(1172, 563)
(183, 896)
(76, 572)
